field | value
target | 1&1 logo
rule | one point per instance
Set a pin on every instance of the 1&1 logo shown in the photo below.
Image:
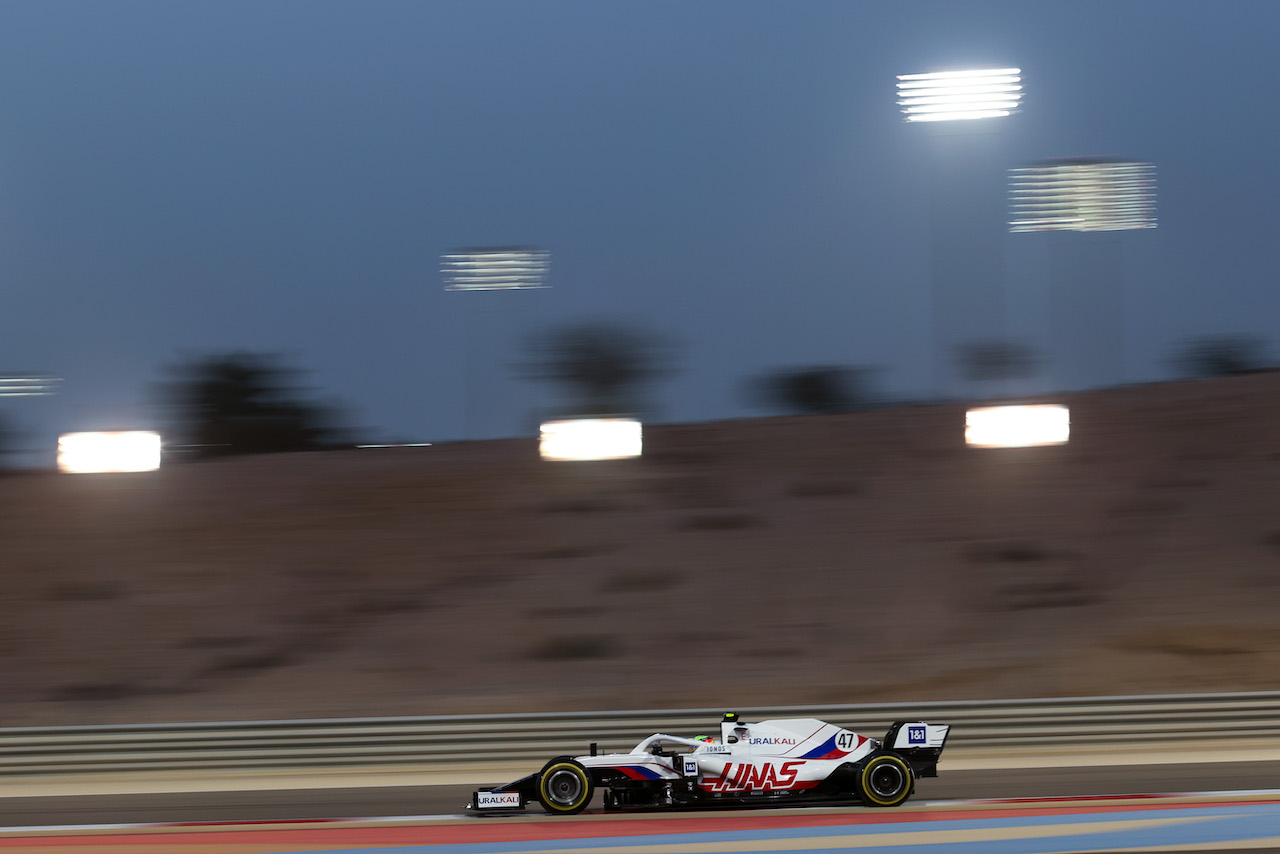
(916, 735)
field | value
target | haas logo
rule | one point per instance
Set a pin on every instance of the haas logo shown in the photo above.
(762, 777)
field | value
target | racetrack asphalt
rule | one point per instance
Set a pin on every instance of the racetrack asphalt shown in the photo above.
(1188, 824)
(315, 803)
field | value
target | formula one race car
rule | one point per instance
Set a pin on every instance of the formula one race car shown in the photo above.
(775, 762)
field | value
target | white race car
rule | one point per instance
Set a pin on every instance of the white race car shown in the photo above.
(773, 762)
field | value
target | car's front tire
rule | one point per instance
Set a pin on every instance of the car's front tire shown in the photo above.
(564, 787)
(885, 780)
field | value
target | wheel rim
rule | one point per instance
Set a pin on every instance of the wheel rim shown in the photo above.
(886, 780)
(564, 787)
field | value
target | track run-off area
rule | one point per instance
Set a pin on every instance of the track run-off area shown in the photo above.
(1189, 822)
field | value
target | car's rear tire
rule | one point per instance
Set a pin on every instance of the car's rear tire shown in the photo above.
(564, 787)
(885, 780)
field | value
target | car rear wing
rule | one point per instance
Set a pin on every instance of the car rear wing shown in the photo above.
(919, 743)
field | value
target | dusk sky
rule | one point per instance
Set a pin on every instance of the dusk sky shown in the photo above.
(182, 178)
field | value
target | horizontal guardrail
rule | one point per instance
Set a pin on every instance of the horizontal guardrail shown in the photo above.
(453, 740)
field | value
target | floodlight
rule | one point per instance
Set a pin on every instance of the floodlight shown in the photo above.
(499, 268)
(1017, 426)
(27, 385)
(1082, 194)
(591, 439)
(135, 450)
(943, 96)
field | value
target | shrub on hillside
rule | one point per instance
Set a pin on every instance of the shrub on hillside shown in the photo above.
(575, 648)
(243, 403)
(820, 390)
(1221, 356)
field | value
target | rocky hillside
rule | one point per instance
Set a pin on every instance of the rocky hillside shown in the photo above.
(850, 558)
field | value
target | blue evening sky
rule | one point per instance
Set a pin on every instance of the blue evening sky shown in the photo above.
(179, 178)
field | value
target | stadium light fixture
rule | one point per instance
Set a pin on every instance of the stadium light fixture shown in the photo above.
(27, 385)
(1017, 426)
(1082, 194)
(591, 439)
(499, 268)
(945, 96)
(97, 453)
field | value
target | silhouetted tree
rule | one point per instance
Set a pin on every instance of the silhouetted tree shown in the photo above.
(1221, 356)
(243, 403)
(997, 360)
(815, 390)
(602, 365)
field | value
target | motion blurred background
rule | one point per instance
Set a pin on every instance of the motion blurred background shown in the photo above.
(238, 225)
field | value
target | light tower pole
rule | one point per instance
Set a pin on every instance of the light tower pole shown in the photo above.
(479, 269)
(26, 385)
(966, 258)
(1083, 201)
